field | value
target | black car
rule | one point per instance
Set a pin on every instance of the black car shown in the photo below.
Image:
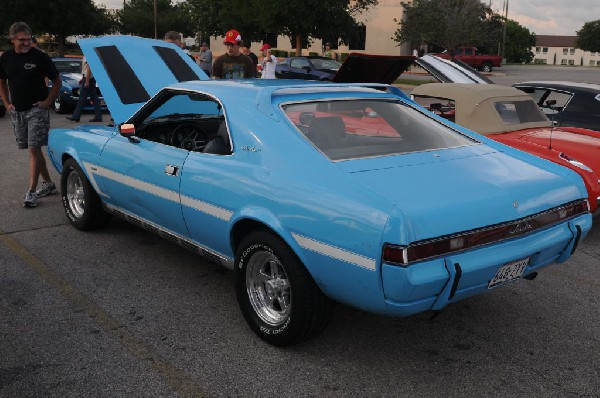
(567, 103)
(308, 68)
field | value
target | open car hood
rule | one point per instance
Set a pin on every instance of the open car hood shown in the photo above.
(130, 70)
(446, 71)
(366, 68)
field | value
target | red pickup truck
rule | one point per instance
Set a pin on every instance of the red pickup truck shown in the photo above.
(470, 56)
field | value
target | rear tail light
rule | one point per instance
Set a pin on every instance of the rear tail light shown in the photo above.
(430, 248)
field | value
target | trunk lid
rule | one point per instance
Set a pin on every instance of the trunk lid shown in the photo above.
(460, 189)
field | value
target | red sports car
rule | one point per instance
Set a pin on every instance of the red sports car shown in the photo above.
(510, 116)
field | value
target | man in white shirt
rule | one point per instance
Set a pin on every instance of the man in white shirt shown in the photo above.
(269, 62)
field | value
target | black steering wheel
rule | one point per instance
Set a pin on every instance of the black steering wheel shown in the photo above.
(190, 137)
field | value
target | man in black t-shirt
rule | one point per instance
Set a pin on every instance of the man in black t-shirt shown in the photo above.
(233, 64)
(25, 69)
(248, 53)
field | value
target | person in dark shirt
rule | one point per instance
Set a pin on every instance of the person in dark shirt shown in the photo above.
(23, 73)
(247, 52)
(233, 64)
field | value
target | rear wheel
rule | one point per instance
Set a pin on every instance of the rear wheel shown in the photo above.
(82, 204)
(276, 294)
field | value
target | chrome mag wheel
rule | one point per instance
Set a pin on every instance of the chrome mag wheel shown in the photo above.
(75, 194)
(268, 288)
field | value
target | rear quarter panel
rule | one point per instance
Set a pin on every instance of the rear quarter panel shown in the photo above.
(332, 223)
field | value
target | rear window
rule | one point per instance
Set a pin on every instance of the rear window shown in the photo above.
(69, 66)
(353, 129)
(516, 112)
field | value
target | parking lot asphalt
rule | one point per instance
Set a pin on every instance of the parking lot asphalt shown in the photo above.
(119, 312)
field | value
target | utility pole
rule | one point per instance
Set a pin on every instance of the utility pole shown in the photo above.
(505, 10)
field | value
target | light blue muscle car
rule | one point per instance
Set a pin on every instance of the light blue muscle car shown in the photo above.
(312, 192)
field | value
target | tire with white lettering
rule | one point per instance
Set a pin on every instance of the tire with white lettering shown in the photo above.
(279, 299)
(486, 67)
(82, 204)
(60, 106)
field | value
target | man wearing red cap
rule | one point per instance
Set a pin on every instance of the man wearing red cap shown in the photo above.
(269, 62)
(233, 64)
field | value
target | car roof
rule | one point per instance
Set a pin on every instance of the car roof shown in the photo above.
(469, 93)
(563, 85)
(475, 107)
(262, 91)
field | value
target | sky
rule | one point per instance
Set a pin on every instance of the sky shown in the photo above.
(542, 17)
(551, 17)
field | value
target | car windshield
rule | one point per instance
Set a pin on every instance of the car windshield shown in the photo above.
(68, 66)
(325, 63)
(353, 129)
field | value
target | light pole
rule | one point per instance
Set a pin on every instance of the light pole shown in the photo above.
(504, 32)
(155, 26)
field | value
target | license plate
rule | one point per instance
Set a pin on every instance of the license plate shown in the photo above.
(509, 272)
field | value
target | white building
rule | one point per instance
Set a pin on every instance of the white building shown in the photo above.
(561, 50)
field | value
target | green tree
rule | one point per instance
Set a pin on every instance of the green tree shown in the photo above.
(588, 38)
(59, 18)
(300, 20)
(207, 17)
(304, 19)
(447, 23)
(137, 18)
(519, 41)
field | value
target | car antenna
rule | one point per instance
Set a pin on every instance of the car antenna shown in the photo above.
(551, 104)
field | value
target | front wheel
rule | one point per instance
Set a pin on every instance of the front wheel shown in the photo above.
(82, 204)
(276, 294)
(60, 106)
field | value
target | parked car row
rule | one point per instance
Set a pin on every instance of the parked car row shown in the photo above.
(313, 192)
(566, 103)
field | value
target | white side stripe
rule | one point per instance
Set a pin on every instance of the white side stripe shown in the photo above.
(164, 193)
(206, 208)
(335, 252)
(137, 184)
(91, 170)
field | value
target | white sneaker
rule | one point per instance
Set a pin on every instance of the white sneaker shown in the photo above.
(48, 188)
(30, 200)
